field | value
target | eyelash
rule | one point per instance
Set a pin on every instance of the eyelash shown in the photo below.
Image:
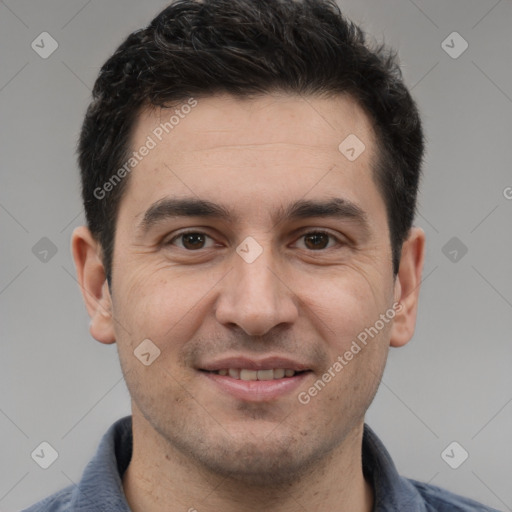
(313, 232)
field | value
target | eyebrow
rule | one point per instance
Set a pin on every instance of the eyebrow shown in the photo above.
(335, 207)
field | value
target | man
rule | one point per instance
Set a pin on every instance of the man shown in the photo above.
(250, 171)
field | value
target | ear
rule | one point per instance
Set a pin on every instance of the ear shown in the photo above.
(407, 287)
(93, 284)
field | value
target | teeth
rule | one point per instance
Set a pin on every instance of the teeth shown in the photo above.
(279, 374)
(263, 374)
(235, 373)
(245, 374)
(248, 375)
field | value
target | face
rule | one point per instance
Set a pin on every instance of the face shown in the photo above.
(283, 268)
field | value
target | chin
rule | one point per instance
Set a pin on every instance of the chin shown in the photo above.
(255, 472)
(262, 462)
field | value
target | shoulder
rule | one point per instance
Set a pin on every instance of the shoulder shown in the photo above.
(57, 502)
(440, 500)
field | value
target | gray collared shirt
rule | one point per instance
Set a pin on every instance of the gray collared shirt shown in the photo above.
(101, 489)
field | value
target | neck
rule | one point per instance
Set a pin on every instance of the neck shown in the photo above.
(160, 477)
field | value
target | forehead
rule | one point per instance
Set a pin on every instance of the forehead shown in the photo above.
(246, 151)
(272, 118)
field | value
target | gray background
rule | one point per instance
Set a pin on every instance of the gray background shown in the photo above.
(451, 383)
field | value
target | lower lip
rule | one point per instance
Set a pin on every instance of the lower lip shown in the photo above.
(257, 390)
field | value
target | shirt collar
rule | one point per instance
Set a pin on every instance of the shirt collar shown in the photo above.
(391, 491)
(101, 486)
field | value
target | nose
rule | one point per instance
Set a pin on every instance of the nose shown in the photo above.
(256, 296)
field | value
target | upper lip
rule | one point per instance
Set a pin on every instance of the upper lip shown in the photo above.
(251, 363)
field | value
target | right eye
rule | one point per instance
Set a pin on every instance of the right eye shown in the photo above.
(190, 240)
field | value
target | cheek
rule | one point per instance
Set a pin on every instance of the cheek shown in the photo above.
(164, 311)
(155, 306)
(356, 340)
(346, 304)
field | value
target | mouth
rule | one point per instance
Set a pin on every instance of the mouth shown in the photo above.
(247, 374)
(252, 381)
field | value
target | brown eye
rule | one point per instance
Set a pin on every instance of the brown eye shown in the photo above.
(316, 240)
(191, 240)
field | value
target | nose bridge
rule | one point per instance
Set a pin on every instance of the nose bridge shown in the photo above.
(253, 273)
(254, 298)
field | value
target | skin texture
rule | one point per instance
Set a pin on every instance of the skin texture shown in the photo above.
(196, 446)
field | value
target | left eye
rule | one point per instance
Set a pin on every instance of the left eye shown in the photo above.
(317, 240)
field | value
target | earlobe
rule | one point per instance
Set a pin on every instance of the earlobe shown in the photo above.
(93, 284)
(407, 287)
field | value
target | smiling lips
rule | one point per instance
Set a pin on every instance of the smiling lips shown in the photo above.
(246, 374)
(253, 380)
